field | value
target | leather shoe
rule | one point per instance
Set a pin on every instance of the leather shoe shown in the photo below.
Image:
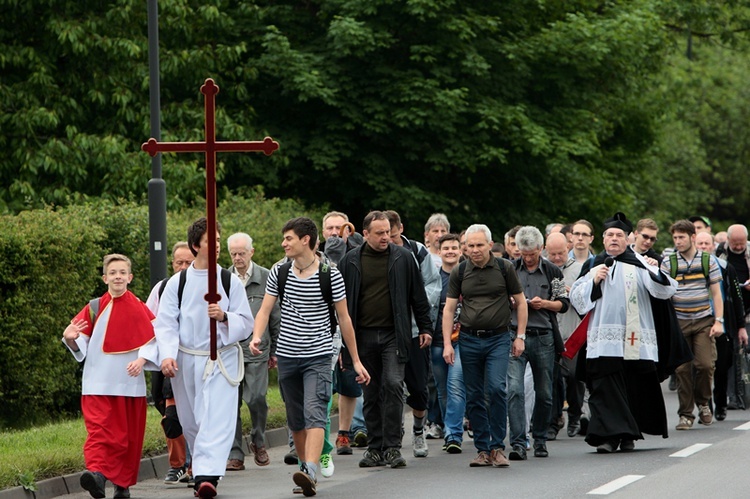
(93, 482)
(540, 450)
(121, 492)
(518, 453)
(574, 426)
(721, 414)
(260, 455)
(235, 465)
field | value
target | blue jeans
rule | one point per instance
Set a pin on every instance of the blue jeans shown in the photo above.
(358, 420)
(449, 381)
(540, 355)
(485, 367)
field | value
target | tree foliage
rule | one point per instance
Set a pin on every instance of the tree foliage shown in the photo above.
(502, 112)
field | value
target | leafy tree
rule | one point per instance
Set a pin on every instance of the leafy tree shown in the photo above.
(502, 112)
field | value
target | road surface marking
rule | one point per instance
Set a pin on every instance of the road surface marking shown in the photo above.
(614, 485)
(689, 451)
(745, 426)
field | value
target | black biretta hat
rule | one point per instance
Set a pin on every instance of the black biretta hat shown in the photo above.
(619, 221)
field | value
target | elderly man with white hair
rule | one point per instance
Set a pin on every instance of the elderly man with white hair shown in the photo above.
(486, 284)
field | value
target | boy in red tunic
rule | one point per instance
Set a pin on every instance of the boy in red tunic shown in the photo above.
(116, 339)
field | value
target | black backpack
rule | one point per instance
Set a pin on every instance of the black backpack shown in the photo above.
(324, 278)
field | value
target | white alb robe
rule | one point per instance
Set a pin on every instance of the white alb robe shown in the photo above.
(106, 374)
(206, 402)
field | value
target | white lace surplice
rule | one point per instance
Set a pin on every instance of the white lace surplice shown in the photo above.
(606, 335)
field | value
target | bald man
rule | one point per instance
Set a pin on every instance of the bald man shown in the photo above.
(566, 387)
(737, 254)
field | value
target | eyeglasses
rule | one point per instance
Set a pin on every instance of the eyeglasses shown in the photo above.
(653, 239)
(581, 234)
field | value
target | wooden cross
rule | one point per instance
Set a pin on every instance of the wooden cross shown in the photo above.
(210, 147)
(632, 338)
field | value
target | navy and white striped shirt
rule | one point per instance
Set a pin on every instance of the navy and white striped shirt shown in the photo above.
(305, 329)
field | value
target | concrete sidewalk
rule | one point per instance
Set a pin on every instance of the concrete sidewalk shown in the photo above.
(151, 467)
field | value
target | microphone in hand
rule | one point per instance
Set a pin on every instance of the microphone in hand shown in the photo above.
(609, 261)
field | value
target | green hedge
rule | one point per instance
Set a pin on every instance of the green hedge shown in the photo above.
(50, 266)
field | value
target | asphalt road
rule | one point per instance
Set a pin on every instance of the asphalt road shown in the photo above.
(704, 461)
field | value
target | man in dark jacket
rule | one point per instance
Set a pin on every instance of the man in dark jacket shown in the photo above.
(383, 288)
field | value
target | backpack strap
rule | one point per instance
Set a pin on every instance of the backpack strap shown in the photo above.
(283, 276)
(181, 288)
(503, 269)
(326, 289)
(706, 265)
(94, 310)
(162, 286)
(673, 265)
(461, 272)
(324, 276)
(226, 282)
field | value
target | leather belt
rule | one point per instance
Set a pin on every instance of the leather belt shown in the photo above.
(483, 333)
(534, 331)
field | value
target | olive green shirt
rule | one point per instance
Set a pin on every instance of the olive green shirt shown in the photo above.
(486, 294)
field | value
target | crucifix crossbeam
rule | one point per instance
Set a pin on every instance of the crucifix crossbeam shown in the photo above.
(210, 147)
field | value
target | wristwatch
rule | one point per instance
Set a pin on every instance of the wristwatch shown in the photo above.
(720, 319)
(521, 337)
(226, 318)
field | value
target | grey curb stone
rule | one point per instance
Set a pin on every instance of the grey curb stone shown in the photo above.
(151, 467)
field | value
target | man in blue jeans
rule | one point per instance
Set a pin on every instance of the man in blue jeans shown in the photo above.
(544, 288)
(449, 379)
(486, 285)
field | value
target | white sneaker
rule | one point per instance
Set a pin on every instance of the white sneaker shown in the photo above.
(434, 432)
(419, 444)
(326, 465)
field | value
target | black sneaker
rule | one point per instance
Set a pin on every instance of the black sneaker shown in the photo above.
(175, 476)
(453, 447)
(291, 457)
(394, 458)
(93, 482)
(518, 453)
(371, 459)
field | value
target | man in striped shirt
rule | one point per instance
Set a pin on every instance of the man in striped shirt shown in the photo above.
(698, 285)
(305, 342)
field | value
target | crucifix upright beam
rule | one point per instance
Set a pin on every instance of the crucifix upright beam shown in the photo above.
(210, 147)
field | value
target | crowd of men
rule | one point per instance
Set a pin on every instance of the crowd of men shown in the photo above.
(501, 339)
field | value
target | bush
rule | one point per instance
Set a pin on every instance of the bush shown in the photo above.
(47, 271)
(50, 267)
